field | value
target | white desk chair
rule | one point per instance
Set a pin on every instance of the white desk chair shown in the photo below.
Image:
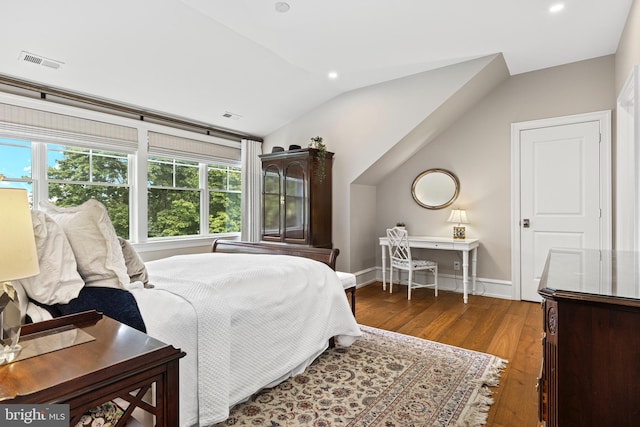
(400, 256)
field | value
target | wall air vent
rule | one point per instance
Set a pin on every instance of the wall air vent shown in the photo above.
(232, 116)
(39, 60)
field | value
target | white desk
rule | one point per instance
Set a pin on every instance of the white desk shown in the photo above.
(441, 243)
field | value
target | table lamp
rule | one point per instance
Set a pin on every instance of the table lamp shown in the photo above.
(458, 216)
(18, 259)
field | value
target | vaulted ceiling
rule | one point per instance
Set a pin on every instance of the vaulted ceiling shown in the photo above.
(202, 59)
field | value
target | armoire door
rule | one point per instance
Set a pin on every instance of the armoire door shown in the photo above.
(296, 216)
(272, 202)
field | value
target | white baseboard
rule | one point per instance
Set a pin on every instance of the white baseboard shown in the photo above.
(365, 277)
(447, 282)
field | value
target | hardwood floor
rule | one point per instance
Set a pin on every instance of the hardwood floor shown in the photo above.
(508, 329)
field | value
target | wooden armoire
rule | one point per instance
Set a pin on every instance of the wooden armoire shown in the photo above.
(296, 197)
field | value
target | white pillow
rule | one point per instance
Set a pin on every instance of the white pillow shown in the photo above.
(94, 243)
(58, 281)
(37, 313)
(136, 269)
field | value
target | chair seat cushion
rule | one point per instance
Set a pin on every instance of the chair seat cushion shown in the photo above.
(348, 279)
(423, 263)
(416, 263)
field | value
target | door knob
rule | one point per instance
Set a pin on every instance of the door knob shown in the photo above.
(525, 223)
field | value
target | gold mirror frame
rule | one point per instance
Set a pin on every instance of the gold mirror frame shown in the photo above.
(435, 188)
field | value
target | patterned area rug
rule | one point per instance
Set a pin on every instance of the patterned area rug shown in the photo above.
(384, 379)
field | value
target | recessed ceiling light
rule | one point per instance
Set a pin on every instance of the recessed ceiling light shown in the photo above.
(333, 75)
(282, 6)
(556, 8)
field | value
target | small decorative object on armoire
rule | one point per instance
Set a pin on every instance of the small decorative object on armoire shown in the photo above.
(296, 203)
(316, 142)
(18, 259)
(458, 216)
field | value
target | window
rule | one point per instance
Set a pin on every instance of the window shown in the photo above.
(75, 175)
(173, 197)
(224, 198)
(155, 180)
(15, 167)
(194, 187)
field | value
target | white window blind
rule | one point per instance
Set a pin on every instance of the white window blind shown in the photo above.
(60, 128)
(191, 149)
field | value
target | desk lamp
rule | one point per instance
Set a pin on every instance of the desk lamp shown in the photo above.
(18, 259)
(458, 216)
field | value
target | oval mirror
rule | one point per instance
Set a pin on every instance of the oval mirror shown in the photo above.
(435, 188)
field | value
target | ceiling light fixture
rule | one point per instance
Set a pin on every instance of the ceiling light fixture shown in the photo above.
(282, 6)
(333, 75)
(556, 8)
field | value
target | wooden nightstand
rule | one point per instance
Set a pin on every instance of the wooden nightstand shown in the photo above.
(120, 362)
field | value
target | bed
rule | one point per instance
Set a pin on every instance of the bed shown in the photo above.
(261, 313)
(248, 315)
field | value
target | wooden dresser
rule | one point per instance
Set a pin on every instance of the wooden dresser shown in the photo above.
(591, 341)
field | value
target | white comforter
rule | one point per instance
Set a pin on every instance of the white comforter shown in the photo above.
(245, 321)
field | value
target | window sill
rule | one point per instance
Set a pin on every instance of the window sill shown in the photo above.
(170, 243)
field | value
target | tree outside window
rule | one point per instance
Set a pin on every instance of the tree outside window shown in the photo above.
(173, 197)
(224, 198)
(76, 175)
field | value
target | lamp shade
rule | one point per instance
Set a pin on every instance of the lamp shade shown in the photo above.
(18, 255)
(458, 216)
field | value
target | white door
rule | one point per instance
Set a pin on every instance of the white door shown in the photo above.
(559, 195)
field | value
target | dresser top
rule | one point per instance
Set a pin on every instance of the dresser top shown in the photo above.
(597, 275)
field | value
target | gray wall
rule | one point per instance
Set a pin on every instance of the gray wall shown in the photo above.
(477, 148)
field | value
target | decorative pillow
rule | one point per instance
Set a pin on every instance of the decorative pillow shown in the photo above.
(94, 243)
(119, 304)
(58, 280)
(136, 269)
